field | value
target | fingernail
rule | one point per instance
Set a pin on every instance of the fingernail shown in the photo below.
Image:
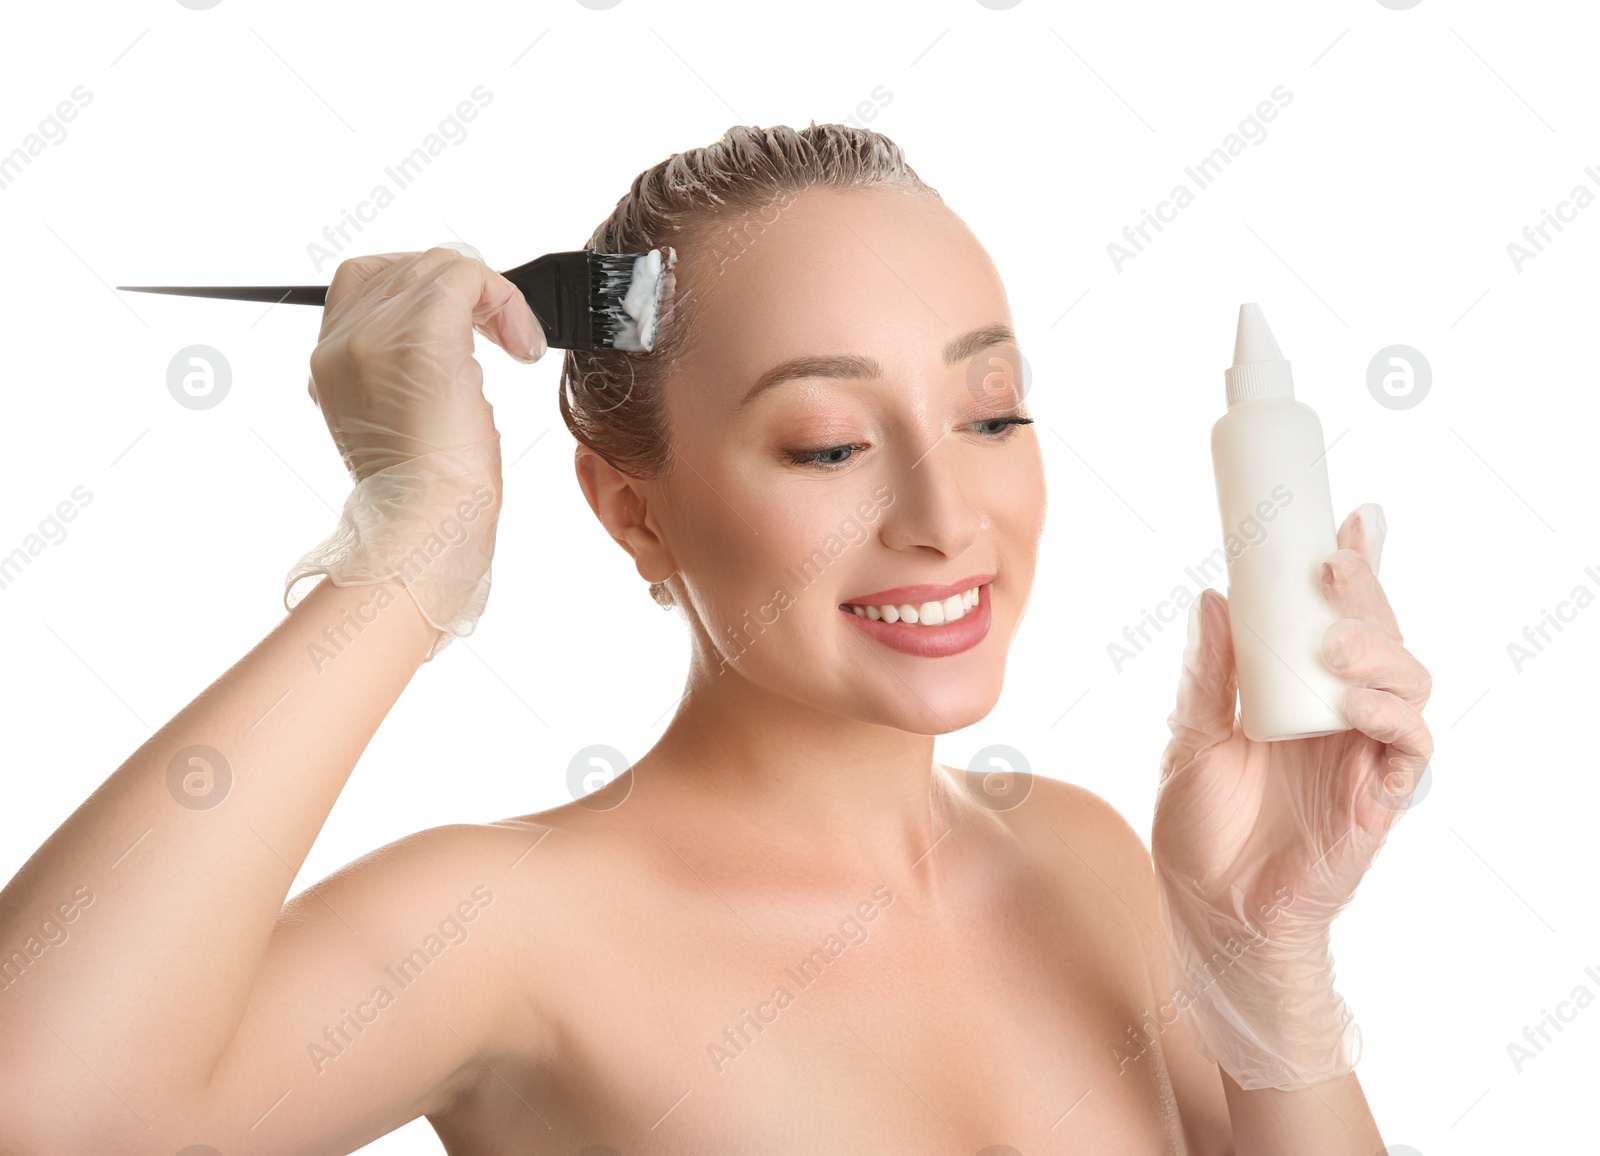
(461, 247)
(1197, 613)
(1192, 635)
(1377, 528)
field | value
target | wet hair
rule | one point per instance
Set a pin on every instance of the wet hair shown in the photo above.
(703, 203)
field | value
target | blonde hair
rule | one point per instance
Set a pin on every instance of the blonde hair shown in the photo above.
(697, 202)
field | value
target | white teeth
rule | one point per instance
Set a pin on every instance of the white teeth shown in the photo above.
(926, 613)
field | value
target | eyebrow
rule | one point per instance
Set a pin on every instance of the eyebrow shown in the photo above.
(854, 366)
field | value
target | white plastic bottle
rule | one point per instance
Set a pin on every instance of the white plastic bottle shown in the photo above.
(1278, 529)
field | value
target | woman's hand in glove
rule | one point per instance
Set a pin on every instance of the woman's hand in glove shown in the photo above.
(393, 370)
(1258, 846)
(394, 376)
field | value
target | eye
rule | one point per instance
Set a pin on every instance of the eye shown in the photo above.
(825, 459)
(821, 457)
(1008, 426)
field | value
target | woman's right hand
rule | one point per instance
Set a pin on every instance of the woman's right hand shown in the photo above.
(393, 371)
(394, 376)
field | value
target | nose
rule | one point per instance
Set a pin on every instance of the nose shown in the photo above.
(931, 511)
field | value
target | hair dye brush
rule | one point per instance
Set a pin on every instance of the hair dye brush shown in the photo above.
(583, 300)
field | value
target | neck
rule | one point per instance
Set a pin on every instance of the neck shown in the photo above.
(798, 778)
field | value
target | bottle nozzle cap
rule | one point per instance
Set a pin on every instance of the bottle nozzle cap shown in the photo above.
(1259, 369)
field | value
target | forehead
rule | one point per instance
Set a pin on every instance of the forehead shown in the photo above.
(874, 272)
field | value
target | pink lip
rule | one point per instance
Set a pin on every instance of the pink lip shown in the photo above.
(918, 594)
(930, 641)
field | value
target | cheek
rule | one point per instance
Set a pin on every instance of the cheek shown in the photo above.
(725, 541)
(792, 568)
(1016, 501)
(1025, 485)
(804, 534)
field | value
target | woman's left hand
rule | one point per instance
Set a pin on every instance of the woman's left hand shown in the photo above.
(1258, 846)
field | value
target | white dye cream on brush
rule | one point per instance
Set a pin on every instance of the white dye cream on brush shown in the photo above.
(643, 304)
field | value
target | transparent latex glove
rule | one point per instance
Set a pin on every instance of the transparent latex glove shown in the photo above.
(394, 376)
(1258, 846)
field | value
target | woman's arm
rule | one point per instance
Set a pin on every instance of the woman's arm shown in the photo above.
(1124, 861)
(1330, 1118)
(185, 872)
(188, 1005)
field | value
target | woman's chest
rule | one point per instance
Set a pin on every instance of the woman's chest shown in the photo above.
(890, 1024)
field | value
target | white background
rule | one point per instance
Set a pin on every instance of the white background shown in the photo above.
(1377, 210)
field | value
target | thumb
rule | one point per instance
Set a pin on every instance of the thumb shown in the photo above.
(499, 310)
(461, 247)
(1207, 685)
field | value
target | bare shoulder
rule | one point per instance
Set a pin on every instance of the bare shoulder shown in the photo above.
(451, 881)
(419, 943)
(434, 868)
(410, 857)
(1090, 828)
(1099, 838)
(522, 861)
(459, 888)
(452, 848)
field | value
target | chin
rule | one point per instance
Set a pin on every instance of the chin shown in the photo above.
(936, 706)
(926, 696)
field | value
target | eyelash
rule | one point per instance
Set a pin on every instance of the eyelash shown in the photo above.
(808, 458)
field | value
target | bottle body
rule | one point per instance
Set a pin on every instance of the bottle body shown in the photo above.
(1278, 529)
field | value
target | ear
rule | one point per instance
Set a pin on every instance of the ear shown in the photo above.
(626, 511)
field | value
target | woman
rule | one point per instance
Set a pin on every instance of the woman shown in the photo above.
(785, 929)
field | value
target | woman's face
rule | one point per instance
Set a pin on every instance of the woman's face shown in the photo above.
(845, 481)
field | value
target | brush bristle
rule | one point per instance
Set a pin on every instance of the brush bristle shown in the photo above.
(611, 276)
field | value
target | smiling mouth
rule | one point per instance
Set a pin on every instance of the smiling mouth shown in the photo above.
(926, 629)
(934, 613)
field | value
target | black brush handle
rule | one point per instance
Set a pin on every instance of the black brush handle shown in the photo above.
(558, 288)
(282, 294)
(564, 290)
